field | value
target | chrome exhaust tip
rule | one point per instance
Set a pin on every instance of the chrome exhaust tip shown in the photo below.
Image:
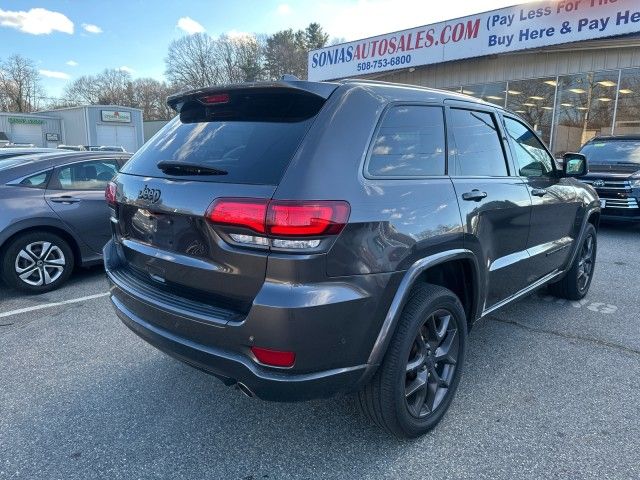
(244, 389)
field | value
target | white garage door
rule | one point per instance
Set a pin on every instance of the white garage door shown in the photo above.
(25, 133)
(117, 135)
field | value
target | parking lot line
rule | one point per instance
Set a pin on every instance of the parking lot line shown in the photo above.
(52, 304)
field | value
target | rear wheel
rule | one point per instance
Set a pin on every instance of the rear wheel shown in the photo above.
(414, 386)
(576, 283)
(37, 262)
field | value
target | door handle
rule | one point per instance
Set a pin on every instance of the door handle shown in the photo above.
(64, 199)
(538, 192)
(474, 195)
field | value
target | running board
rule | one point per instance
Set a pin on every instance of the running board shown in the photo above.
(546, 279)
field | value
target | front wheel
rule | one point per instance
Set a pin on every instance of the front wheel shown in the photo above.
(37, 262)
(576, 282)
(414, 386)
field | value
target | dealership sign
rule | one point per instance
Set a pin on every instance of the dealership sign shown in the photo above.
(115, 116)
(510, 29)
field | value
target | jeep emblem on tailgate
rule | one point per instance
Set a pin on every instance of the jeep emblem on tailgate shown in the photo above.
(151, 194)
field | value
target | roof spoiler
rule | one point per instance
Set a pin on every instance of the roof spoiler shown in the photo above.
(317, 89)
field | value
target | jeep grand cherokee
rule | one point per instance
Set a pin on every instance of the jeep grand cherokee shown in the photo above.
(301, 239)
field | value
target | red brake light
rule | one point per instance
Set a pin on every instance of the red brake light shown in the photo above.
(304, 219)
(110, 193)
(215, 98)
(274, 358)
(241, 212)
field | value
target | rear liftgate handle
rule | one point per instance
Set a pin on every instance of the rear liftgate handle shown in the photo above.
(474, 195)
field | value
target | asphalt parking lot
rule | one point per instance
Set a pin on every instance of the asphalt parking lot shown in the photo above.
(551, 389)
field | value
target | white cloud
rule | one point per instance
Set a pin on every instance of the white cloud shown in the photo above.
(54, 74)
(124, 68)
(284, 9)
(91, 28)
(72, 63)
(189, 25)
(37, 21)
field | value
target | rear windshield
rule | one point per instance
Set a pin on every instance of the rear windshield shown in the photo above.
(617, 151)
(242, 151)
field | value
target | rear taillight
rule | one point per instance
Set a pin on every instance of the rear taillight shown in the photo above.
(110, 193)
(240, 212)
(284, 224)
(304, 219)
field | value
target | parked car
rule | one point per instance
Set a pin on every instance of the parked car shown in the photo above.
(53, 215)
(299, 239)
(21, 151)
(615, 174)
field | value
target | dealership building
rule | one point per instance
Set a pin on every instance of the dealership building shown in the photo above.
(85, 125)
(570, 68)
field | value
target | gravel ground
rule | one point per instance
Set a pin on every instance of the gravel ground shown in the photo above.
(551, 389)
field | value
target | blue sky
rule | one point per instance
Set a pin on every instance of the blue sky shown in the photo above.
(68, 38)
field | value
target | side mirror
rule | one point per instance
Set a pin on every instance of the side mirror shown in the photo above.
(574, 165)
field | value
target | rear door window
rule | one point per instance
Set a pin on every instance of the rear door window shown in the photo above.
(477, 147)
(92, 175)
(410, 142)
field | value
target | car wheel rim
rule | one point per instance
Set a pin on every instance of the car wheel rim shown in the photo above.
(40, 263)
(585, 264)
(432, 364)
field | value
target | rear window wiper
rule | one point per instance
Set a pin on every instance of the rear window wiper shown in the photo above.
(186, 168)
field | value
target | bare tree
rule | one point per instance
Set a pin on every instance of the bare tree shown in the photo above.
(150, 96)
(191, 61)
(20, 87)
(112, 86)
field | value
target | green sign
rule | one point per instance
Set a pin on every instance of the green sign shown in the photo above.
(26, 121)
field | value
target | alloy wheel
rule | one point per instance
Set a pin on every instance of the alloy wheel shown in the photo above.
(40, 263)
(585, 264)
(432, 364)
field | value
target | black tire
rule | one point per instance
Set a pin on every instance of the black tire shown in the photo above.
(46, 255)
(574, 285)
(385, 400)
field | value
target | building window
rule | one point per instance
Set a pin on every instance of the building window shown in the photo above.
(410, 142)
(628, 114)
(533, 100)
(585, 107)
(490, 92)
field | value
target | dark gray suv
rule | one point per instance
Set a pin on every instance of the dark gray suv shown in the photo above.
(301, 239)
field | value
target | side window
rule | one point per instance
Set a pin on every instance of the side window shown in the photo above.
(39, 180)
(531, 157)
(93, 175)
(409, 143)
(477, 147)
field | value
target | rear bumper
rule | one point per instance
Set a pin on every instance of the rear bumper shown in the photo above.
(233, 368)
(331, 349)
